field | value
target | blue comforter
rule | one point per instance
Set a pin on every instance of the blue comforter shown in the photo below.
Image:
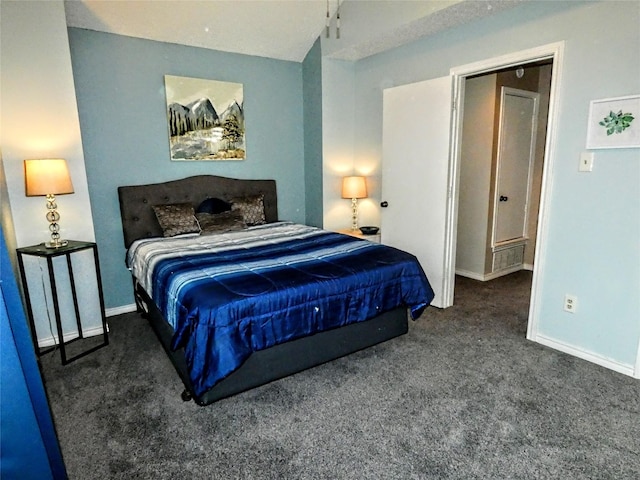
(231, 294)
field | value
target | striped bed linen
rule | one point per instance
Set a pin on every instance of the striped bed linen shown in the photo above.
(228, 295)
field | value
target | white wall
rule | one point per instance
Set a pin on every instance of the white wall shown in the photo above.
(475, 174)
(593, 229)
(338, 149)
(39, 117)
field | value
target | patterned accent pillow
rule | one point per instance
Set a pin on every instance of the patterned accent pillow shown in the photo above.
(252, 208)
(176, 219)
(230, 221)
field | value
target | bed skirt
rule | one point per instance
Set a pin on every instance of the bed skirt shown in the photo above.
(280, 360)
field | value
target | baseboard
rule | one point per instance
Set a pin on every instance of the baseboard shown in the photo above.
(492, 275)
(528, 266)
(112, 312)
(637, 372)
(90, 332)
(51, 341)
(468, 274)
(586, 355)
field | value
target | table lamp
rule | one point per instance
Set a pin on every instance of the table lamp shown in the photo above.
(48, 177)
(354, 187)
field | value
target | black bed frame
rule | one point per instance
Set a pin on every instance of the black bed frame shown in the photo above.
(138, 221)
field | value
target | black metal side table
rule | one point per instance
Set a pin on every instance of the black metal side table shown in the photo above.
(49, 254)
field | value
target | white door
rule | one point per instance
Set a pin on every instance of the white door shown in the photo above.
(415, 164)
(516, 149)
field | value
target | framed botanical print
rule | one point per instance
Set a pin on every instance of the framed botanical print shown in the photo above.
(614, 123)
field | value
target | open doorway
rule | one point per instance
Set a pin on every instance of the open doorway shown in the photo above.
(420, 171)
(549, 57)
(502, 145)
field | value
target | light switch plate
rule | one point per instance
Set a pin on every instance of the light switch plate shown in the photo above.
(586, 162)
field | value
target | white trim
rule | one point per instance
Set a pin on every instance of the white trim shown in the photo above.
(636, 373)
(503, 272)
(586, 355)
(488, 276)
(89, 332)
(509, 60)
(112, 312)
(555, 52)
(51, 341)
(535, 97)
(528, 266)
(468, 274)
(453, 182)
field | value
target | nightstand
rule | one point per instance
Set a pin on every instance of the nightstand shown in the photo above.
(358, 234)
(51, 255)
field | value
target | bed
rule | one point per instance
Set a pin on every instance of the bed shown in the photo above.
(242, 306)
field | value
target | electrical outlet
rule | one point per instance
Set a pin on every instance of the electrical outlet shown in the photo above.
(570, 303)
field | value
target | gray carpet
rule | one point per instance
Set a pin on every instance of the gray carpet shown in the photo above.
(463, 395)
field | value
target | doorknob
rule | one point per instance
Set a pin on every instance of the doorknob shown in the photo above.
(503, 198)
(384, 204)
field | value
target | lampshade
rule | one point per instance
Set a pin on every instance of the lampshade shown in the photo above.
(354, 187)
(47, 176)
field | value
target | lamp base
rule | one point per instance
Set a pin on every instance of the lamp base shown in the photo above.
(354, 214)
(56, 243)
(53, 216)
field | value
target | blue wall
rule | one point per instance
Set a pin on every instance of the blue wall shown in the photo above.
(312, 94)
(121, 101)
(593, 228)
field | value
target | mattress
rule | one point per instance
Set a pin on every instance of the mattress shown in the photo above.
(228, 295)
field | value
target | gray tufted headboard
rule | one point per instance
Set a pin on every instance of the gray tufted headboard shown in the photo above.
(139, 220)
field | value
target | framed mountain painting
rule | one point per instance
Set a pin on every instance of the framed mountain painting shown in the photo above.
(205, 119)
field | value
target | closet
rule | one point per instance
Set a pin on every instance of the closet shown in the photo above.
(501, 155)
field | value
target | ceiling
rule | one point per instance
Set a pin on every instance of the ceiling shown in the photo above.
(280, 29)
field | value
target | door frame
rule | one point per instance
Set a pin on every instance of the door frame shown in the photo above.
(555, 53)
(504, 91)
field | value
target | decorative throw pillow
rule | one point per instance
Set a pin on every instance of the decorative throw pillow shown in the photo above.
(176, 219)
(220, 222)
(252, 208)
(213, 205)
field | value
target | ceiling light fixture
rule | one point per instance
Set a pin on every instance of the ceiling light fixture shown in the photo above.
(328, 22)
(338, 22)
